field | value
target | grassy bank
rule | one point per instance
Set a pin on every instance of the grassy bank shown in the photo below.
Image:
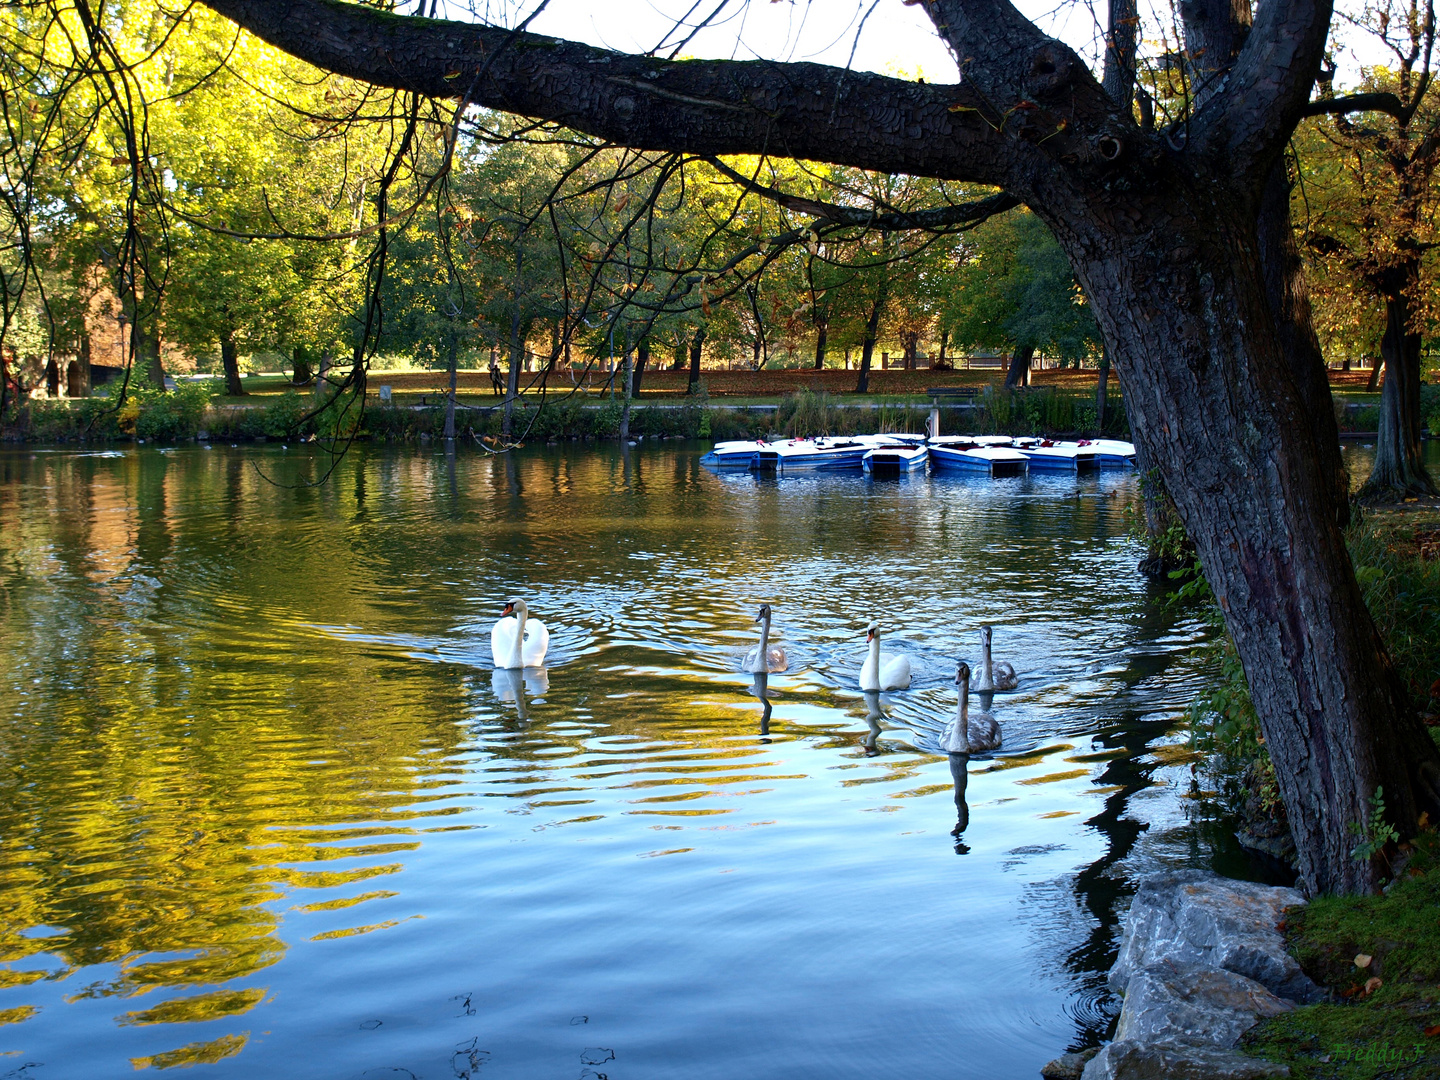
(194, 412)
(1380, 959)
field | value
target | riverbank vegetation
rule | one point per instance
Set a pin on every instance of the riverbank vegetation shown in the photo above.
(193, 412)
(1379, 956)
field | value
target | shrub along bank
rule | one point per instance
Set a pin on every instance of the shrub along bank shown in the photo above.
(189, 413)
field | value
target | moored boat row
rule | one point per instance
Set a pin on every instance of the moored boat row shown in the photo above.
(901, 454)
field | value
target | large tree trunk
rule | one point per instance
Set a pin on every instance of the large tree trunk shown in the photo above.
(230, 363)
(1399, 471)
(696, 343)
(1019, 373)
(822, 327)
(1183, 305)
(1289, 299)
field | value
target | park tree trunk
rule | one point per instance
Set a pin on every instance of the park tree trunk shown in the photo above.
(1102, 391)
(626, 378)
(1183, 304)
(145, 347)
(642, 357)
(696, 343)
(230, 362)
(912, 349)
(452, 369)
(1399, 471)
(867, 343)
(822, 327)
(81, 386)
(512, 380)
(302, 371)
(1019, 373)
(1376, 366)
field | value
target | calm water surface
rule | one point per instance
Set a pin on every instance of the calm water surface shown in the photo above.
(265, 809)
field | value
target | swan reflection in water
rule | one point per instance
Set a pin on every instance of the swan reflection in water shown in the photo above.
(761, 689)
(960, 774)
(513, 685)
(873, 715)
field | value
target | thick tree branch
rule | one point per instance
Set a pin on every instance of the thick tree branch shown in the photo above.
(703, 107)
(959, 215)
(1377, 102)
(1248, 120)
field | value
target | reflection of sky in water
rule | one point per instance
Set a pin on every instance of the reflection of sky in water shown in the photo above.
(266, 807)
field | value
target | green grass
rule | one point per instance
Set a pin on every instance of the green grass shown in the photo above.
(1367, 1032)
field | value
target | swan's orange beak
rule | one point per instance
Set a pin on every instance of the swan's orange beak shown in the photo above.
(869, 634)
(509, 610)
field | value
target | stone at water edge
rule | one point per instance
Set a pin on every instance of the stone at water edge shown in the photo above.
(1196, 1006)
(1170, 1061)
(1069, 1066)
(1196, 917)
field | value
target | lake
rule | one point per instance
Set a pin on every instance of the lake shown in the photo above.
(266, 809)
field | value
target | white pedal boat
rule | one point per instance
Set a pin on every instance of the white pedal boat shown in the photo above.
(733, 455)
(953, 452)
(821, 453)
(1114, 453)
(895, 459)
(1058, 457)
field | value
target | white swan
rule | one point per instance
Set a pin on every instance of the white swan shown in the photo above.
(764, 657)
(891, 673)
(969, 734)
(518, 642)
(993, 676)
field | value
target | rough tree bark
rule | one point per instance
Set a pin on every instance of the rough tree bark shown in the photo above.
(1161, 226)
(822, 328)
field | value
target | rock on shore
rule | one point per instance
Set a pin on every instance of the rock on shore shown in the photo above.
(1201, 962)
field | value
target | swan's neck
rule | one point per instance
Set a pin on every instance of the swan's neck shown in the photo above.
(962, 714)
(872, 662)
(764, 636)
(517, 658)
(985, 664)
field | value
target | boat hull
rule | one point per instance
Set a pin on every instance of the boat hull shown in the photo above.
(885, 461)
(978, 461)
(1060, 459)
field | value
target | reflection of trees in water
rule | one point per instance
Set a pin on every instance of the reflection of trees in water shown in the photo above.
(1102, 889)
(149, 798)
